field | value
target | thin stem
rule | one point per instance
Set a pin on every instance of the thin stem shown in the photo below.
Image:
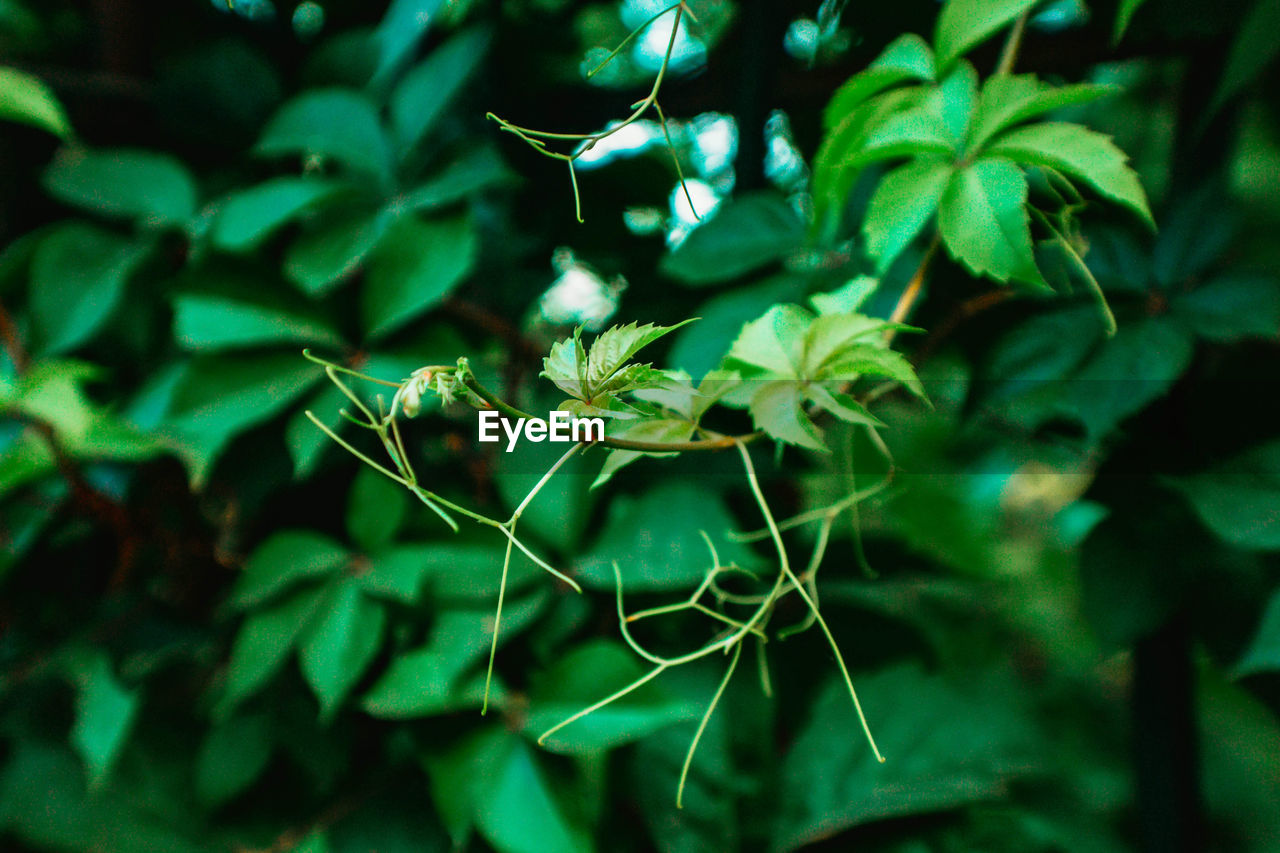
(1108, 317)
(913, 288)
(1009, 54)
(612, 697)
(785, 565)
(309, 356)
(762, 664)
(497, 621)
(702, 725)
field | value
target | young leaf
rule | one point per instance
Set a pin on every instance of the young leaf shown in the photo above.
(772, 344)
(566, 366)
(846, 299)
(617, 346)
(984, 223)
(663, 430)
(777, 408)
(964, 24)
(1078, 152)
(903, 203)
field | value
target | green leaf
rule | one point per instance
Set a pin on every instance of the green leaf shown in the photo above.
(703, 346)
(1077, 152)
(657, 540)
(1254, 48)
(614, 348)
(336, 124)
(1008, 100)
(743, 235)
(413, 269)
(78, 276)
(1231, 308)
(566, 366)
(517, 809)
(847, 298)
(1263, 654)
(835, 168)
(583, 677)
(400, 573)
(431, 679)
(233, 755)
(150, 188)
(26, 99)
(947, 745)
(778, 409)
(461, 179)
(423, 94)
(835, 338)
(906, 58)
(248, 217)
(904, 202)
(399, 33)
(1237, 499)
(335, 247)
(44, 805)
(218, 322)
(376, 508)
(284, 559)
(305, 441)
(340, 643)
(263, 643)
(984, 223)
(663, 430)
(105, 709)
(1128, 8)
(220, 396)
(773, 344)
(964, 24)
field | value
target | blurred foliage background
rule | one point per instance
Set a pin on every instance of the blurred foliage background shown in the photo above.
(218, 631)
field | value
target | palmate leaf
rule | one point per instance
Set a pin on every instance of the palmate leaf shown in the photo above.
(906, 58)
(984, 224)
(604, 371)
(791, 359)
(964, 24)
(1008, 100)
(903, 203)
(1080, 153)
(566, 366)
